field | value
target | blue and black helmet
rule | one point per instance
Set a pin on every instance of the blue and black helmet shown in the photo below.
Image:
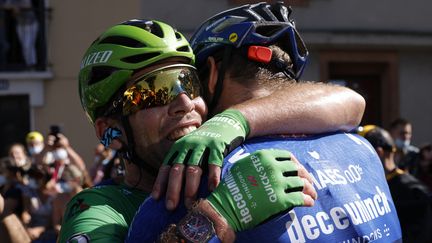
(260, 24)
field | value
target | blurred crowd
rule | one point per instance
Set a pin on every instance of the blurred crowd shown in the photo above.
(407, 157)
(408, 173)
(38, 178)
(414, 160)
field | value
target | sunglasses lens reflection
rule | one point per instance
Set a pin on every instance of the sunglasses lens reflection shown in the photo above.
(160, 87)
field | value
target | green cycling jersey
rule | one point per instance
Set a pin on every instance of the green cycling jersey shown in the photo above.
(100, 214)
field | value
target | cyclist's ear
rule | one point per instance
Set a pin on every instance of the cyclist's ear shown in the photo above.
(108, 133)
(213, 74)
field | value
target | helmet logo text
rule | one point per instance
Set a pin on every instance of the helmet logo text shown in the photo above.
(215, 39)
(96, 57)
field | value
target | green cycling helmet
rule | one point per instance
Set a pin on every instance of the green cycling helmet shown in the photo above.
(113, 57)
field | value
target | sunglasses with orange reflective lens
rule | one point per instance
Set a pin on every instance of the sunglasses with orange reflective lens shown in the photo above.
(160, 87)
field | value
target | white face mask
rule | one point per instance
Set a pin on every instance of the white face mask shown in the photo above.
(36, 149)
(401, 144)
(60, 154)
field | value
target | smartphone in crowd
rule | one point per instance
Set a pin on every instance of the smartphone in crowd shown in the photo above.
(55, 130)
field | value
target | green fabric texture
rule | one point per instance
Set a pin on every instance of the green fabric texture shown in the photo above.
(213, 140)
(101, 214)
(257, 187)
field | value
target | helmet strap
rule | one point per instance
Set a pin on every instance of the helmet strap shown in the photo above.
(283, 67)
(131, 154)
(221, 76)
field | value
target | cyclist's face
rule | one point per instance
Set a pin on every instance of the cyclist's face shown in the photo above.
(156, 128)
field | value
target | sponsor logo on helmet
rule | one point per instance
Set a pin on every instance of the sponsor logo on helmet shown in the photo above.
(80, 238)
(233, 37)
(216, 39)
(96, 58)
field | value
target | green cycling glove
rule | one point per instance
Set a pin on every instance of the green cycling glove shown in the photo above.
(257, 187)
(213, 140)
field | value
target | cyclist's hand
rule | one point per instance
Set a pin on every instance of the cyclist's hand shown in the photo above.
(261, 185)
(204, 147)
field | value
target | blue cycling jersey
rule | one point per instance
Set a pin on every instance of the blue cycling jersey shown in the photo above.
(354, 202)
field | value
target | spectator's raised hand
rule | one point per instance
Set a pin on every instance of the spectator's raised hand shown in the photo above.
(62, 141)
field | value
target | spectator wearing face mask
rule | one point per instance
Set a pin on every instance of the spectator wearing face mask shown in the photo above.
(35, 144)
(407, 155)
(61, 151)
(411, 196)
(18, 156)
(18, 166)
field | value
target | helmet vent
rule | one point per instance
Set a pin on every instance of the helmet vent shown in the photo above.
(300, 45)
(155, 29)
(267, 30)
(280, 12)
(100, 73)
(140, 57)
(147, 25)
(123, 41)
(178, 36)
(183, 49)
(220, 25)
(266, 13)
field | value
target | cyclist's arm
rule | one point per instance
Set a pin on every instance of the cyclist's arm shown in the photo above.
(297, 108)
(304, 107)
